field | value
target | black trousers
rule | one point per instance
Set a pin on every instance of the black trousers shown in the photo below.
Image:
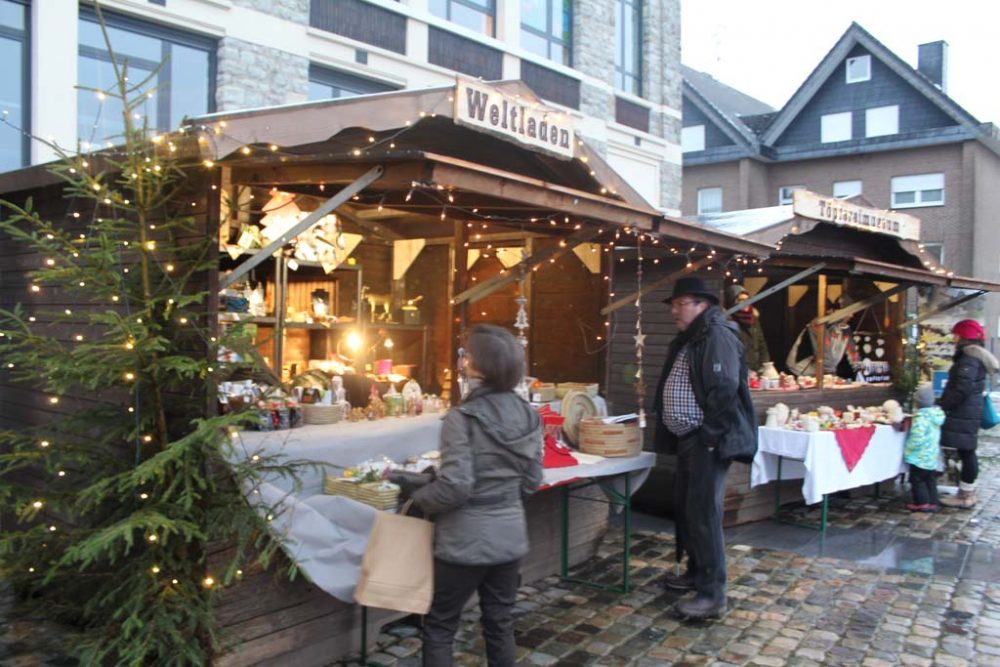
(923, 485)
(970, 465)
(453, 586)
(699, 492)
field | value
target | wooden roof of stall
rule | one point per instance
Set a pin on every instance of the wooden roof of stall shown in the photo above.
(802, 242)
(316, 146)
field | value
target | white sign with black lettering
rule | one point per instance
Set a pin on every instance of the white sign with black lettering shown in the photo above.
(830, 209)
(513, 118)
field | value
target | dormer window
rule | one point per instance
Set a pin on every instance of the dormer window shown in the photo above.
(858, 69)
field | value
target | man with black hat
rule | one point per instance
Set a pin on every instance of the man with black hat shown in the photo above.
(706, 418)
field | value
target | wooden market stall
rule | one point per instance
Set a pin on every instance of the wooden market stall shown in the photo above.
(827, 249)
(370, 233)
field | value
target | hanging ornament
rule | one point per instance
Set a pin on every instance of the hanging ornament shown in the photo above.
(640, 338)
(521, 321)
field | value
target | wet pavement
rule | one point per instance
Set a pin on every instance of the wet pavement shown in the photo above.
(883, 587)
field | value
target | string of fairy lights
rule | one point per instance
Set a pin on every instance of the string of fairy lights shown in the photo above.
(421, 196)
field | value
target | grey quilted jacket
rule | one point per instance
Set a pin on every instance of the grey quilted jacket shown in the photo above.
(491, 458)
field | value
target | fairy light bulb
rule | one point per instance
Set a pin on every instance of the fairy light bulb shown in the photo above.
(37, 504)
(43, 444)
(155, 569)
(151, 537)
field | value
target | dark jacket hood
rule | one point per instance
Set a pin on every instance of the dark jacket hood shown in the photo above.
(505, 417)
(712, 316)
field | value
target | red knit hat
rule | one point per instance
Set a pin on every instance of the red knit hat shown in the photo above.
(969, 330)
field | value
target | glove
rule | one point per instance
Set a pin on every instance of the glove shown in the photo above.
(409, 482)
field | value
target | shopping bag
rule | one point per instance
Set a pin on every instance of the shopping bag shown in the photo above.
(990, 416)
(397, 569)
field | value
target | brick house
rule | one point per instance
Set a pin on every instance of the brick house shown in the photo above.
(863, 123)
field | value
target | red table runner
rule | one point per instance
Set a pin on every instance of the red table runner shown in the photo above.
(853, 442)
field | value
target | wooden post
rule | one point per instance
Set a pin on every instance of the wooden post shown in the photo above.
(459, 311)
(820, 330)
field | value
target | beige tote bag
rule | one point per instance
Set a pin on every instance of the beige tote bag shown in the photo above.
(397, 570)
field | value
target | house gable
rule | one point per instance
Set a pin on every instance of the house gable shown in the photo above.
(926, 114)
(884, 88)
(714, 136)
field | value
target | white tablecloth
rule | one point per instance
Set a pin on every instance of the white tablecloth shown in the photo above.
(819, 463)
(327, 535)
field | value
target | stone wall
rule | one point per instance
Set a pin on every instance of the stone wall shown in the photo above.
(290, 10)
(251, 75)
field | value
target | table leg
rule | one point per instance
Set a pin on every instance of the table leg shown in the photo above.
(777, 489)
(822, 520)
(628, 533)
(564, 566)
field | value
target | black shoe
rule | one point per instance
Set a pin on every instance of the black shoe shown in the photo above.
(679, 582)
(699, 608)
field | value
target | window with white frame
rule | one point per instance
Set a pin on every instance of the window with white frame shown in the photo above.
(858, 69)
(628, 46)
(693, 138)
(709, 200)
(918, 190)
(936, 250)
(326, 83)
(179, 66)
(547, 28)
(845, 189)
(835, 127)
(14, 84)
(786, 193)
(478, 15)
(881, 121)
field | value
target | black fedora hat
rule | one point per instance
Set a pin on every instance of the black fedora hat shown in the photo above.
(692, 286)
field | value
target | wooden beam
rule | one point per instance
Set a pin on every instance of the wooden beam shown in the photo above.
(846, 312)
(372, 227)
(626, 300)
(489, 286)
(514, 187)
(774, 288)
(395, 175)
(326, 207)
(940, 309)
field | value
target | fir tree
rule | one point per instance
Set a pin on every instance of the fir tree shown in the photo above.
(130, 516)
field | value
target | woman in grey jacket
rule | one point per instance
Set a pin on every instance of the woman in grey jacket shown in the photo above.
(491, 458)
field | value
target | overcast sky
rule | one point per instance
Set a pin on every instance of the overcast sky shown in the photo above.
(766, 48)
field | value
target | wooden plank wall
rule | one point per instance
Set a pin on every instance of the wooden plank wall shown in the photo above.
(270, 621)
(566, 300)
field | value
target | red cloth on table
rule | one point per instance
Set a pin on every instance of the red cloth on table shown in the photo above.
(556, 454)
(853, 442)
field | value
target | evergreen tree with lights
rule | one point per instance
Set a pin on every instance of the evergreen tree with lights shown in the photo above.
(129, 509)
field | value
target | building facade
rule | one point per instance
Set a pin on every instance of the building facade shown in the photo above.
(864, 123)
(614, 64)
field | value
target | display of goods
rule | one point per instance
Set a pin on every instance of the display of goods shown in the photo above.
(322, 414)
(542, 392)
(380, 495)
(563, 388)
(553, 424)
(596, 437)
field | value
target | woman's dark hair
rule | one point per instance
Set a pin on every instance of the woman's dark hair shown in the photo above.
(497, 356)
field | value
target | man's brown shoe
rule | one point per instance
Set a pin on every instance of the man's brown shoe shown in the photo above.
(679, 582)
(699, 608)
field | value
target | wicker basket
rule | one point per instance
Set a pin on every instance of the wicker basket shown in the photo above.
(322, 414)
(380, 495)
(563, 388)
(603, 439)
(543, 393)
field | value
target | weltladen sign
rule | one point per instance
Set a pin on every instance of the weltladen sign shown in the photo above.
(486, 108)
(830, 209)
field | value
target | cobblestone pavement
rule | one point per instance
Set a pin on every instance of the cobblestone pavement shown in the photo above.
(885, 587)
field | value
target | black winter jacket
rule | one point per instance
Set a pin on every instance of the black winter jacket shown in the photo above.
(962, 398)
(719, 381)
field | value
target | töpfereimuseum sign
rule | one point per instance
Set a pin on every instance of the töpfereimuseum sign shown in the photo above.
(830, 209)
(513, 118)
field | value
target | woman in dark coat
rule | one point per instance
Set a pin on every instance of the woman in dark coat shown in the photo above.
(962, 401)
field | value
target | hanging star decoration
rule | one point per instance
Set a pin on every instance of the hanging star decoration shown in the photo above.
(640, 338)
